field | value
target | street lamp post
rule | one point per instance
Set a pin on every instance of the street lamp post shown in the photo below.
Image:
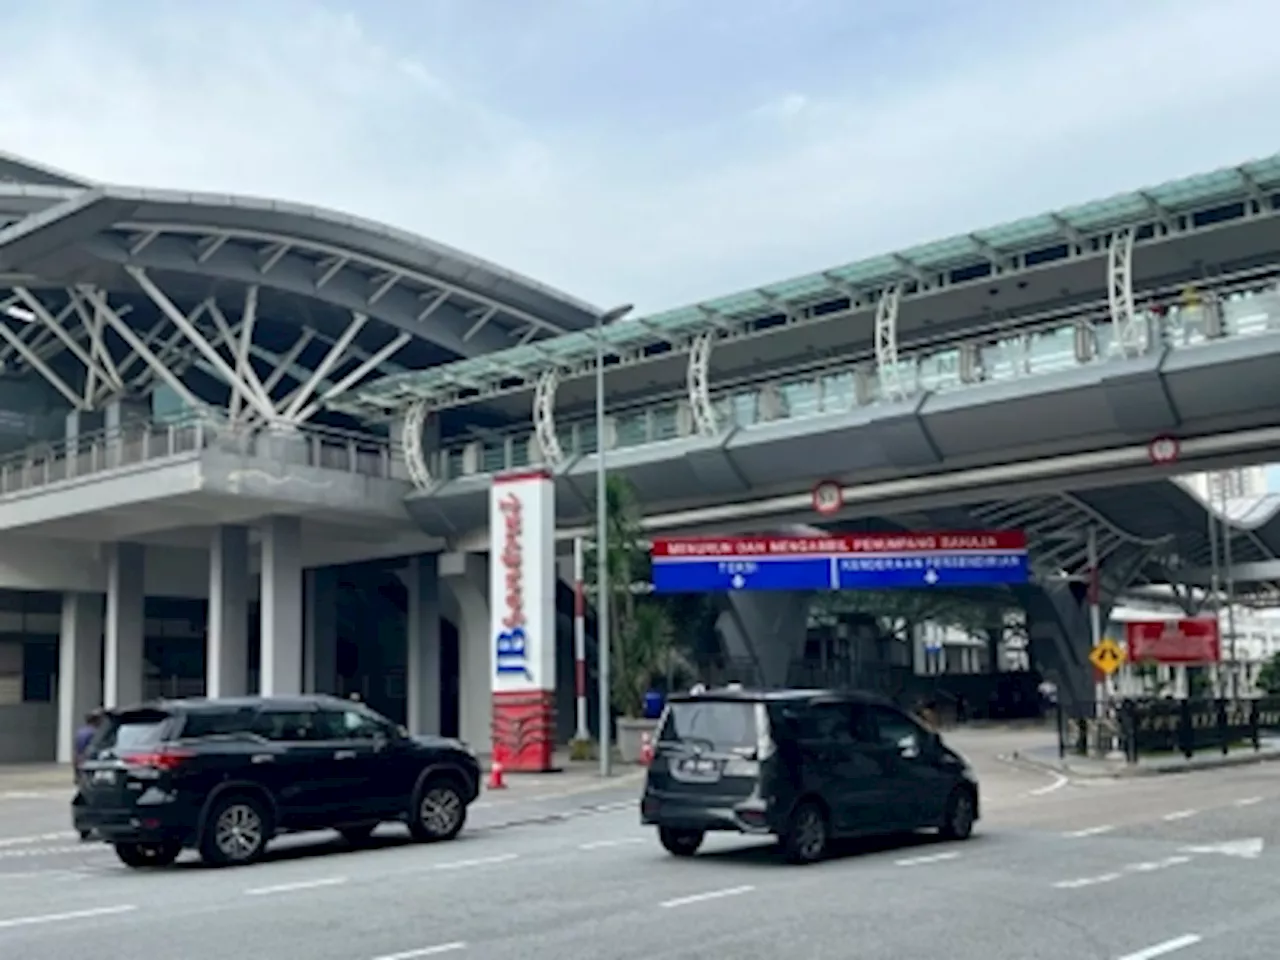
(602, 547)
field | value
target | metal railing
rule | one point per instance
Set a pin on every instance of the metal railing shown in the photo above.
(140, 442)
(1241, 310)
(1154, 727)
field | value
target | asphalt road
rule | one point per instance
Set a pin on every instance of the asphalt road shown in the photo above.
(1182, 866)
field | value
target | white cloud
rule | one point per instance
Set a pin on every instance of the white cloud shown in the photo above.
(289, 100)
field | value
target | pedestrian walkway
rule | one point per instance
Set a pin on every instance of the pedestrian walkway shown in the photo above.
(1046, 756)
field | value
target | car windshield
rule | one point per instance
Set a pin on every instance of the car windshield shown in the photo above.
(135, 730)
(729, 725)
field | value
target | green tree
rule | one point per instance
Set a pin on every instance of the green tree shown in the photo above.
(1269, 676)
(642, 636)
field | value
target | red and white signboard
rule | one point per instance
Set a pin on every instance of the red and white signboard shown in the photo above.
(1164, 449)
(996, 541)
(828, 497)
(1173, 641)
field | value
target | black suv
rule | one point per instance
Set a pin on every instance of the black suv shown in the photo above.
(225, 776)
(805, 766)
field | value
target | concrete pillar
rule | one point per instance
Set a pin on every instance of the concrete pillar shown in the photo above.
(117, 416)
(124, 670)
(320, 596)
(766, 629)
(422, 628)
(466, 579)
(281, 603)
(227, 657)
(79, 666)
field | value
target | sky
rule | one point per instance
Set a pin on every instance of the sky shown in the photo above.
(653, 152)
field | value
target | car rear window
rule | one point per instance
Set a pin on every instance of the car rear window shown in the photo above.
(715, 723)
(135, 730)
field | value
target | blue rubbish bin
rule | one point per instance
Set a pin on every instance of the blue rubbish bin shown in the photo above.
(654, 701)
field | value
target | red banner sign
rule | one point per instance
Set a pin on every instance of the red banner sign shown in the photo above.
(1173, 641)
(1014, 541)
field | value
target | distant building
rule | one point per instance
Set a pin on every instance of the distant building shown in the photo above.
(1236, 483)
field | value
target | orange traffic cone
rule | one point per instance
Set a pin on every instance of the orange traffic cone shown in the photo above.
(646, 749)
(496, 780)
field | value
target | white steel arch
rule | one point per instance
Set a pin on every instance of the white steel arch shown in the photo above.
(886, 344)
(705, 422)
(544, 418)
(412, 432)
(1128, 329)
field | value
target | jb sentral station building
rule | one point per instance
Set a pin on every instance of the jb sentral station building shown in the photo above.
(253, 446)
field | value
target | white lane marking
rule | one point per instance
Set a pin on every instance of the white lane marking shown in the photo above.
(619, 805)
(602, 844)
(300, 885)
(51, 851)
(424, 951)
(1059, 781)
(478, 862)
(1248, 801)
(1160, 949)
(36, 838)
(1086, 881)
(59, 917)
(1153, 865)
(1179, 815)
(1090, 831)
(933, 858)
(710, 895)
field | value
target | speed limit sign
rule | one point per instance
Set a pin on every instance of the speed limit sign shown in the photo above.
(1164, 449)
(828, 497)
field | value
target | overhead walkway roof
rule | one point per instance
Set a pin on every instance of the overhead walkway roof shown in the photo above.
(972, 261)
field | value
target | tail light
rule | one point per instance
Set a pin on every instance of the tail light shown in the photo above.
(163, 759)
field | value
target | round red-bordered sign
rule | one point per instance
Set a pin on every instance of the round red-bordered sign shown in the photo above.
(828, 497)
(1164, 449)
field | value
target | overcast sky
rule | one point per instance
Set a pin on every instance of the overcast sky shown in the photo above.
(648, 151)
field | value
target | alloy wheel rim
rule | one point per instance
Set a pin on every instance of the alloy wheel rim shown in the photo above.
(811, 834)
(441, 808)
(238, 833)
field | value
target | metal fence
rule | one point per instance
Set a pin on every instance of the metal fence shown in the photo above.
(1161, 727)
(45, 465)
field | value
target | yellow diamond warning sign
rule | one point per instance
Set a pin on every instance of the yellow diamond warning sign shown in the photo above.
(1108, 656)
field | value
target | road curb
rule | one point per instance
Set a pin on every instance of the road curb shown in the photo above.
(1150, 770)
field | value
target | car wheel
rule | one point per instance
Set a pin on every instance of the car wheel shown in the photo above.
(357, 833)
(808, 834)
(958, 820)
(680, 843)
(439, 812)
(140, 855)
(236, 832)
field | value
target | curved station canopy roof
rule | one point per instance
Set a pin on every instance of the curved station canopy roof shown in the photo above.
(72, 250)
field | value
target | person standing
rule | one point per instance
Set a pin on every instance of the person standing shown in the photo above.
(84, 737)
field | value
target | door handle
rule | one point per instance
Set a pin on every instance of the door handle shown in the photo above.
(345, 755)
(263, 758)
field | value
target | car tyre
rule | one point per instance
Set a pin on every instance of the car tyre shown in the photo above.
(680, 843)
(439, 811)
(236, 832)
(143, 855)
(959, 816)
(808, 834)
(357, 833)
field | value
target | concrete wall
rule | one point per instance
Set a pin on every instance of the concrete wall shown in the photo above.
(28, 732)
(32, 563)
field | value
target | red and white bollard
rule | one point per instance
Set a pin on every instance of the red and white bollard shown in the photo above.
(646, 749)
(496, 779)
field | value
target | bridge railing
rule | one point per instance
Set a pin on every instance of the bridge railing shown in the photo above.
(1238, 310)
(48, 465)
